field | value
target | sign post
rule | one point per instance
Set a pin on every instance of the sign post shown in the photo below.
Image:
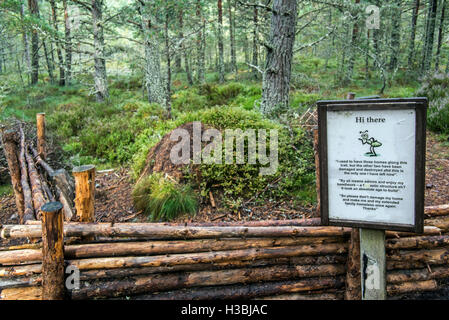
(372, 174)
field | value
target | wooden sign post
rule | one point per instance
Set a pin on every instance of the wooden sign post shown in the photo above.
(372, 173)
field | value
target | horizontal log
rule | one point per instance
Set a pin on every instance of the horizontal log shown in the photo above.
(417, 275)
(25, 270)
(428, 231)
(440, 222)
(259, 223)
(298, 296)
(20, 282)
(156, 283)
(208, 257)
(28, 293)
(149, 230)
(248, 291)
(426, 256)
(160, 247)
(20, 256)
(126, 272)
(413, 286)
(441, 210)
(423, 242)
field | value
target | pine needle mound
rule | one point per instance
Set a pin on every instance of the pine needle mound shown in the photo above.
(162, 198)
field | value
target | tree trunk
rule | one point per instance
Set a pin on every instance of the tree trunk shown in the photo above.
(58, 44)
(255, 60)
(395, 35)
(68, 45)
(100, 80)
(34, 10)
(276, 80)
(232, 36)
(430, 32)
(167, 53)
(49, 65)
(201, 43)
(352, 52)
(411, 50)
(440, 35)
(9, 141)
(221, 70)
(153, 78)
(26, 45)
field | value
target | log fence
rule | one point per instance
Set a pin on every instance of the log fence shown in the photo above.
(287, 259)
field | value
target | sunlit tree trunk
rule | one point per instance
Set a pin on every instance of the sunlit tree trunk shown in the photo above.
(101, 84)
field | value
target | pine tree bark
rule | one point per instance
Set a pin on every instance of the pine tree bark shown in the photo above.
(34, 10)
(276, 79)
(430, 32)
(221, 70)
(153, 78)
(68, 44)
(395, 35)
(411, 50)
(100, 80)
(440, 35)
(167, 53)
(201, 44)
(232, 36)
(255, 58)
(58, 44)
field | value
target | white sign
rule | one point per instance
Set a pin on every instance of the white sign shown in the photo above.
(371, 165)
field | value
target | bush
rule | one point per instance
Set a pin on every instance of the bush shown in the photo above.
(435, 88)
(162, 198)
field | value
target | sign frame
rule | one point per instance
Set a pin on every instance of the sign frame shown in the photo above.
(420, 106)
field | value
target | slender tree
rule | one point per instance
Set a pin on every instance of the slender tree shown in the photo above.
(34, 10)
(429, 40)
(221, 69)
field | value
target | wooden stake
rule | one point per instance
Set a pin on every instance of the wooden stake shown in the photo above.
(373, 264)
(85, 192)
(52, 252)
(41, 145)
(9, 141)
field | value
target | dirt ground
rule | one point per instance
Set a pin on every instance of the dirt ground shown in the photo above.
(113, 200)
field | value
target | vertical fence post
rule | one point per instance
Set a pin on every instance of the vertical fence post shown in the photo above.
(85, 192)
(353, 285)
(52, 251)
(41, 145)
(317, 170)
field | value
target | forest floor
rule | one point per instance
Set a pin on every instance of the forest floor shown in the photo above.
(113, 198)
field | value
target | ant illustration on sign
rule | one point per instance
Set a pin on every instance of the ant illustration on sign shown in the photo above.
(371, 141)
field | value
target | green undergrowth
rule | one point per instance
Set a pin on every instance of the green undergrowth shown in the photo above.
(163, 199)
